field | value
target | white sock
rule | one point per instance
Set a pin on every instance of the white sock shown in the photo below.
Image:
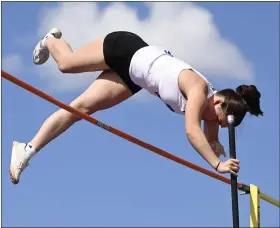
(45, 38)
(30, 150)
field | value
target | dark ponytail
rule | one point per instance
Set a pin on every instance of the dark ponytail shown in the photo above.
(252, 98)
(244, 99)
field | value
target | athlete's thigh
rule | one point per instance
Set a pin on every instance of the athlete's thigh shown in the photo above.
(88, 58)
(106, 91)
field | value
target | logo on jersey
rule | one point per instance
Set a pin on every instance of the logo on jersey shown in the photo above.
(168, 53)
(211, 86)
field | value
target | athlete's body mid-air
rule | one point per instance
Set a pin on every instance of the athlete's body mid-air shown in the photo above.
(129, 64)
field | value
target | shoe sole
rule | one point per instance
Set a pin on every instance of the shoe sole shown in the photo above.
(13, 180)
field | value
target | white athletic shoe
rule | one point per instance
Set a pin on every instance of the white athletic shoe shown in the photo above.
(19, 161)
(41, 53)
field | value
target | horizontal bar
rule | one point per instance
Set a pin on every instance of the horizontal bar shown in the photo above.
(270, 199)
(119, 133)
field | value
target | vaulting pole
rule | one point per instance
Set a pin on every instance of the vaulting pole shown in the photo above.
(234, 192)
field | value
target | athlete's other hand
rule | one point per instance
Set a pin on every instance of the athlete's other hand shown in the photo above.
(229, 166)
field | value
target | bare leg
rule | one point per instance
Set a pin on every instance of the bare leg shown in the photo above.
(86, 59)
(107, 91)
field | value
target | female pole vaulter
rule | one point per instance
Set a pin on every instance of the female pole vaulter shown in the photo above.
(129, 64)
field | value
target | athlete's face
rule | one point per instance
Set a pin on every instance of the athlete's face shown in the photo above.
(220, 115)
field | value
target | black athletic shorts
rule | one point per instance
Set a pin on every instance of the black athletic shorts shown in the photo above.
(118, 49)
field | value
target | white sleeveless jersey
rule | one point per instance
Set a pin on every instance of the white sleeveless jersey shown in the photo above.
(156, 70)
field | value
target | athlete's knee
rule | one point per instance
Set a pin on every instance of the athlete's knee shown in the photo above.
(84, 108)
(65, 64)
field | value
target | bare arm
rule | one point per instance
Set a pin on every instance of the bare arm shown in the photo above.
(211, 131)
(196, 102)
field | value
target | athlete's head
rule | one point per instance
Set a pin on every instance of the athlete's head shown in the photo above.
(244, 99)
